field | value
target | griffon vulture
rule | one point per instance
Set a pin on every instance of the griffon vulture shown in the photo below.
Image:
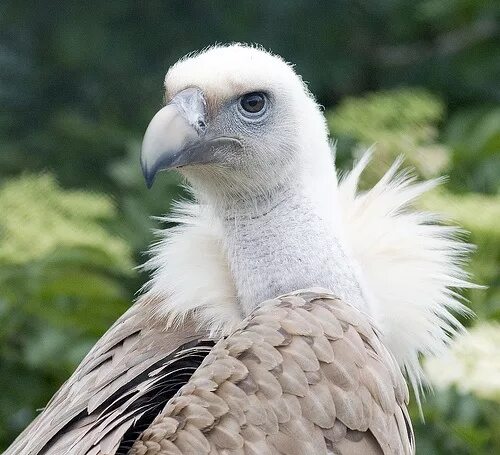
(283, 308)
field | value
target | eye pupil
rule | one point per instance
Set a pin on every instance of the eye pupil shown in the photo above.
(253, 102)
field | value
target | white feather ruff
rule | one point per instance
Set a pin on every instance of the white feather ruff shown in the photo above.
(190, 272)
(411, 266)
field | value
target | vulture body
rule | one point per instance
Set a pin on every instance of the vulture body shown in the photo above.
(210, 359)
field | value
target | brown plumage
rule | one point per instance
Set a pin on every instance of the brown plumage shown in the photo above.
(304, 374)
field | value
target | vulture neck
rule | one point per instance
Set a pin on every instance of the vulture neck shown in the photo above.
(287, 242)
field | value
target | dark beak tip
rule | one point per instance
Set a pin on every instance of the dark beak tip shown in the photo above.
(149, 175)
(150, 178)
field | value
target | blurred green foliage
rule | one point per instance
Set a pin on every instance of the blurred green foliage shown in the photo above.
(62, 283)
(397, 120)
(79, 81)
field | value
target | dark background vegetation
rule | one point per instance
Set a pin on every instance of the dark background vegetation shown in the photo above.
(79, 81)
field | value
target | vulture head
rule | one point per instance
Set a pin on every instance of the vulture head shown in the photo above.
(238, 123)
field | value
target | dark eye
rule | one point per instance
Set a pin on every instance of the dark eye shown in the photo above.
(253, 102)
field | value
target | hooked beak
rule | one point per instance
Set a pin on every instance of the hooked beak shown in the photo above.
(175, 135)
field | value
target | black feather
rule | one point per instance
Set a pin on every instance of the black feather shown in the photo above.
(180, 366)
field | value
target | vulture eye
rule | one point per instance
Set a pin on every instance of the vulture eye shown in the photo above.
(253, 103)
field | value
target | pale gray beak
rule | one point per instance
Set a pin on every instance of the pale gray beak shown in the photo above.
(175, 135)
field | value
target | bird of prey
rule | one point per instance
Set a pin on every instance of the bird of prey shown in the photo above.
(284, 307)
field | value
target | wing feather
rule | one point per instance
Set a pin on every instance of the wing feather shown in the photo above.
(111, 389)
(295, 396)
